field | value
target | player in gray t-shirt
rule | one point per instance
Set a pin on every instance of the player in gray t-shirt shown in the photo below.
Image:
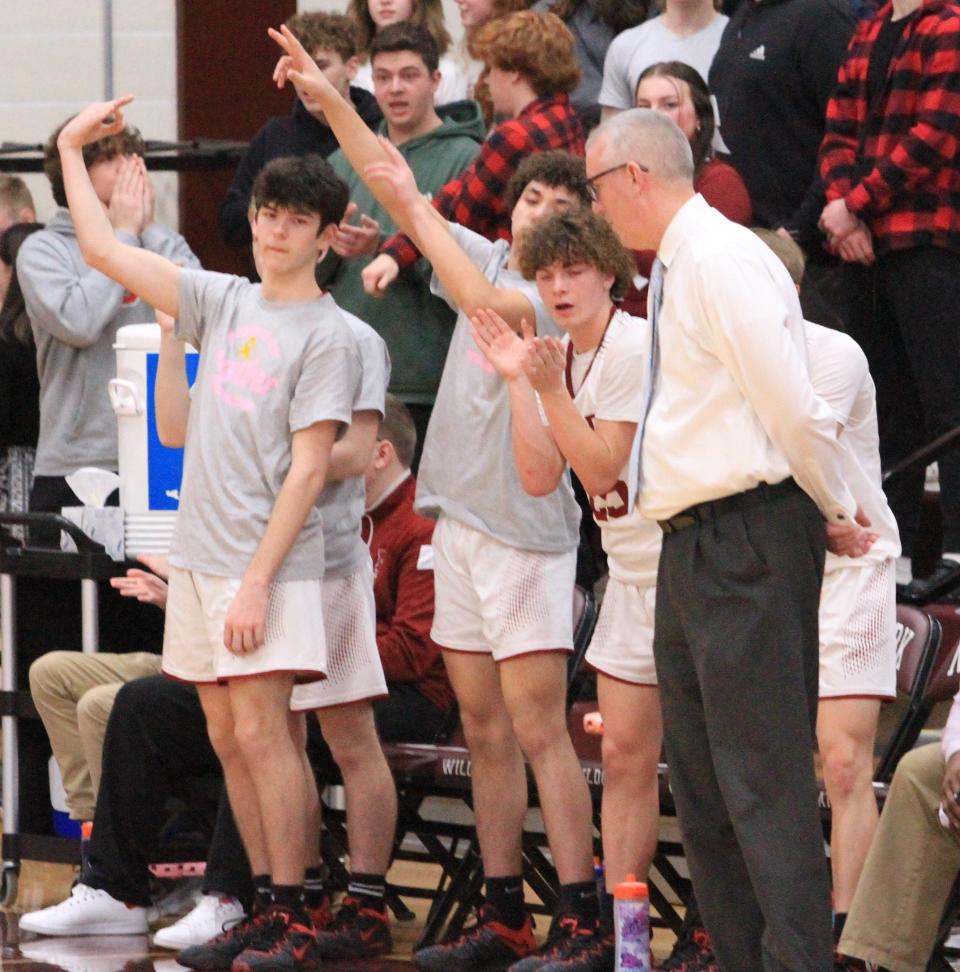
(504, 561)
(278, 369)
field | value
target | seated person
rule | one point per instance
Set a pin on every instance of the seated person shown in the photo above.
(439, 144)
(530, 68)
(330, 38)
(156, 738)
(916, 851)
(74, 693)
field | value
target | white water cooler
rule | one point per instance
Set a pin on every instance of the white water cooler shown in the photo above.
(150, 472)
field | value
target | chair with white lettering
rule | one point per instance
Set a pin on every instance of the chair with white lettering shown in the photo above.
(443, 769)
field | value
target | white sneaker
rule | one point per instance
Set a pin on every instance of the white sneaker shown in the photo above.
(88, 911)
(206, 921)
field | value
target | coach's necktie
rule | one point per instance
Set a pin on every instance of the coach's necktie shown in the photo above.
(654, 303)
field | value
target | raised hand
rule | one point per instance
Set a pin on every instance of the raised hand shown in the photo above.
(500, 344)
(96, 121)
(378, 274)
(545, 364)
(127, 209)
(298, 67)
(397, 173)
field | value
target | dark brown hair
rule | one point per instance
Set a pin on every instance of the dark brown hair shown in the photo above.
(553, 168)
(126, 142)
(405, 36)
(397, 428)
(426, 13)
(577, 237)
(14, 323)
(618, 15)
(702, 141)
(302, 184)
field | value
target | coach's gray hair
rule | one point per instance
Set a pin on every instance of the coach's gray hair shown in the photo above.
(650, 138)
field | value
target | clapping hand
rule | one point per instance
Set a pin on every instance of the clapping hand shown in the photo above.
(545, 365)
(351, 241)
(500, 344)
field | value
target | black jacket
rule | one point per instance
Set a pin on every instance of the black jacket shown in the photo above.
(772, 76)
(298, 133)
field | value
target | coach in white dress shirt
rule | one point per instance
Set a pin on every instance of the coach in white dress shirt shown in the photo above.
(741, 466)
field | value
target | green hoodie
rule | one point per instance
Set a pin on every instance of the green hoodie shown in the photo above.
(415, 325)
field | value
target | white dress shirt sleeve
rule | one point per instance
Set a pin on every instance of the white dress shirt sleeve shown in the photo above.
(747, 325)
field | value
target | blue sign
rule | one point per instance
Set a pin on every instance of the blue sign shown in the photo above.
(164, 465)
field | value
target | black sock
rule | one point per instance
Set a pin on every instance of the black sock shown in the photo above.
(506, 896)
(839, 920)
(579, 899)
(288, 895)
(313, 887)
(262, 896)
(369, 889)
(605, 903)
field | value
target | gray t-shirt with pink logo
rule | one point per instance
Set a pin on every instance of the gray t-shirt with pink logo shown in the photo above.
(266, 371)
(468, 471)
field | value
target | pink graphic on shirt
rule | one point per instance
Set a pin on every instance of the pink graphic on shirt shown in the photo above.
(480, 361)
(240, 370)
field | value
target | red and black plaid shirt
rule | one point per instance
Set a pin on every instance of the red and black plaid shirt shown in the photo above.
(475, 199)
(903, 181)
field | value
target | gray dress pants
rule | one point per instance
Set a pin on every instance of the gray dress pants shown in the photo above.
(736, 652)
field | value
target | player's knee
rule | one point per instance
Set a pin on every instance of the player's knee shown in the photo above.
(845, 767)
(259, 735)
(539, 734)
(627, 756)
(488, 734)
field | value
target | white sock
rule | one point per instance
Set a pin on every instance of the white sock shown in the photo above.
(955, 557)
(904, 570)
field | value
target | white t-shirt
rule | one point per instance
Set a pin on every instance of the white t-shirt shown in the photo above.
(610, 384)
(632, 51)
(840, 376)
(266, 371)
(456, 84)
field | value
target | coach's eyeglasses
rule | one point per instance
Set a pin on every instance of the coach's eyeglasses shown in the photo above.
(591, 183)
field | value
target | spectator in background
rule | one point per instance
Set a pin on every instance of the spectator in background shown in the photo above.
(371, 16)
(888, 163)
(772, 77)
(530, 69)
(678, 91)
(687, 31)
(415, 324)
(474, 14)
(331, 40)
(16, 203)
(399, 541)
(594, 24)
(19, 386)
(75, 312)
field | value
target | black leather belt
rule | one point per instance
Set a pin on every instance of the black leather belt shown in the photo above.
(711, 509)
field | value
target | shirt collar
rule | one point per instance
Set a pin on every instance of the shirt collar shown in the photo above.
(685, 221)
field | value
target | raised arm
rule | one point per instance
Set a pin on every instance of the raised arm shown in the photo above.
(151, 277)
(470, 289)
(389, 179)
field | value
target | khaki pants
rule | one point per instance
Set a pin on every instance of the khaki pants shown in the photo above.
(909, 871)
(74, 694)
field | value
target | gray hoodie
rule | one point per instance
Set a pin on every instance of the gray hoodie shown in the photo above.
(75, 312)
